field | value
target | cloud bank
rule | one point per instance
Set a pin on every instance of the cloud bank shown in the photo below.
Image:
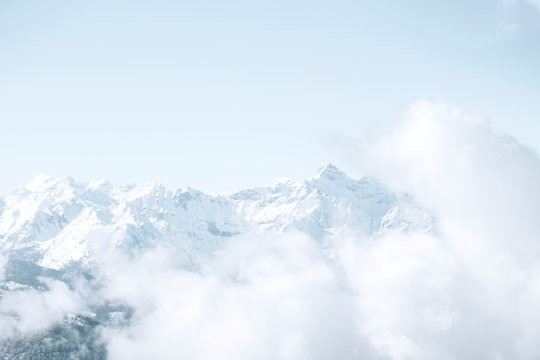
(471, 290)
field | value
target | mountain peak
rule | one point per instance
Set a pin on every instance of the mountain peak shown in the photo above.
(39, 181)
(330, 172)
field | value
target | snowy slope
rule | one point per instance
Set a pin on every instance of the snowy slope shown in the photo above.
(55, 222)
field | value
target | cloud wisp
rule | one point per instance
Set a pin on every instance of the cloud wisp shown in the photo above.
(534, 3)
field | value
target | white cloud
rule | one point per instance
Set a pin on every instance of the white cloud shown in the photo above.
(473, 280)
(261, 298)
(535, 3)
(28, 311)
(474, 180)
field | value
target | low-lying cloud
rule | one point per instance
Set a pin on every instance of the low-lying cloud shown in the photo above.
(29, 311)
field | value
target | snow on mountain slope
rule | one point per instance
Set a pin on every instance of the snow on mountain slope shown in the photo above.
(320, 205)
(54, 222)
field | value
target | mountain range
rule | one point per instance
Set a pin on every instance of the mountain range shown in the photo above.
(52, 222)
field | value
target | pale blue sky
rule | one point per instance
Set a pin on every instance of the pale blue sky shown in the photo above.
(226, 95)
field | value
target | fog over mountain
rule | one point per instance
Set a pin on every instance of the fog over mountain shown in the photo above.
(434, 254)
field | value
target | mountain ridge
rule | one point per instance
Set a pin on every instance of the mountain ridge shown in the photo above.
(54, 220)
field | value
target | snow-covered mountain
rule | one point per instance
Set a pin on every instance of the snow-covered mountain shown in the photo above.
(55, 232)
(54, 222)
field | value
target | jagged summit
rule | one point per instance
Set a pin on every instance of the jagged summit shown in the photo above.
(40, 181)
(330, 172)
(43, 182)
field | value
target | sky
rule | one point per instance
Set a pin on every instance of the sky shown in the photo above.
(223, 96)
